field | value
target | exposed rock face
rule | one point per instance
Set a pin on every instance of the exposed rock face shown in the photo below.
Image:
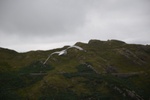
(90, 66)
(130, 55)
(127, 92)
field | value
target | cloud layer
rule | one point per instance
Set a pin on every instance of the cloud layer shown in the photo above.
(25, 24)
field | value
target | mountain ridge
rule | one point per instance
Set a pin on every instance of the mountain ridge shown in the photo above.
(106, 70)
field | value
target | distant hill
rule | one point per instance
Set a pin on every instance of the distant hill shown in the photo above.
(104, 70)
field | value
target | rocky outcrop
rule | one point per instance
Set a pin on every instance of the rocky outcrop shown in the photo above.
(128, 93)
(130, 55)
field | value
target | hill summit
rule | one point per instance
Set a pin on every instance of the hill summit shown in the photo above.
(105, 70)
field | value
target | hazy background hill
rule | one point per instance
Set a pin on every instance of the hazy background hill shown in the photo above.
(105, 70)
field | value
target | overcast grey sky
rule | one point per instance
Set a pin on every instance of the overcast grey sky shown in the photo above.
(45, 24)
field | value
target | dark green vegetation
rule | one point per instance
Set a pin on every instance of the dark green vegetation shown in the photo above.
(106, 70)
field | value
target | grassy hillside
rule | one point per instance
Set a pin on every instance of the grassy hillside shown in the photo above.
(104, 70)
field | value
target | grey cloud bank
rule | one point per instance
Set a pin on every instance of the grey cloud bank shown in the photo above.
(47, 24)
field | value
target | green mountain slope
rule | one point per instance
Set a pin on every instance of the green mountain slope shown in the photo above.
(104, 70)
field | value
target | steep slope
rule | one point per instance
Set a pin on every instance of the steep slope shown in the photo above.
(104, 70)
